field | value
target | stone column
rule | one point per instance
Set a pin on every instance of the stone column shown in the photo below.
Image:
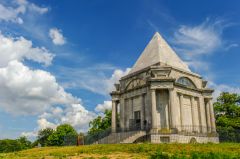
(114, 116)
(172, 107)
(154, 107)
(122, 114)
(181, 111)
(203, 115)
(142, 110)
(209, 126)
(194, 115)
(213, 124)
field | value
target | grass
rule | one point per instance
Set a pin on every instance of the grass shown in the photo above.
(150, 151)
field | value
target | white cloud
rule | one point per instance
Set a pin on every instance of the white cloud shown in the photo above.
(75, 115)
(43, 124)
(93, 79)
(10, 14)
(30, 134)
(26, 91)
(19, 49)
(219, 88)
(231, 46)
(35, 8)
(14, 14)
(194, 42)
(117, 74)
(200, 39)
(56, 36)
(36, 92)
(106, 105)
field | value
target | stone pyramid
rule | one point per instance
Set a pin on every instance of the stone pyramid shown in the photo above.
(158, 51)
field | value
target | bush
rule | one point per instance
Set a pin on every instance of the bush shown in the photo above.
(8, 145)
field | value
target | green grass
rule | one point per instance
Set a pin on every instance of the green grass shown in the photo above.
(151, 151)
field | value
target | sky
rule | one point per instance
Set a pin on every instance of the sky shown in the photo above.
(60, 58)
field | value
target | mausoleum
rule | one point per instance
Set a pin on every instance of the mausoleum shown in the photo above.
(161, 100)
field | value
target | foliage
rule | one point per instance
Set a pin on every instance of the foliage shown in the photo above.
(100, 123)
(24, 142)
(9, 145)
(227, 110)
(43, 135)
(57, 137)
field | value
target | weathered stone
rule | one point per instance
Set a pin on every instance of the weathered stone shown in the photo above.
(162, 97)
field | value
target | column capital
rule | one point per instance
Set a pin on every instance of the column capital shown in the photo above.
(180, 94)
(116, 100)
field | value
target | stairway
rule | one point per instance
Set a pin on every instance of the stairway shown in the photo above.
(121, 137)
(134, 137)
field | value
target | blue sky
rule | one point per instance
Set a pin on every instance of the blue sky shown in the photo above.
(59, 59)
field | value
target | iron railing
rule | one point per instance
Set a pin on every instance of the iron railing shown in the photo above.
(227, 134)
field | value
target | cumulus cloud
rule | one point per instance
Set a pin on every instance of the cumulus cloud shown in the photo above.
(75, 115)
(93, 79)
(15, 11)
(116, 76)
(56, 36)
(26, 91)
(106, 105)
(20, 48)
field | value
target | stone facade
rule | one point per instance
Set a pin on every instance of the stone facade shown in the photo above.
(163, 98)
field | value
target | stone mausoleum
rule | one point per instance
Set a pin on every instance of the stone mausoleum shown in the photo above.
(161, 100)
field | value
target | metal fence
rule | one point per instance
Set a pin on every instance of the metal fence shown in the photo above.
(227, 134)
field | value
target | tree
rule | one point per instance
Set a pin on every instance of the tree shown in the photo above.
(58, 136)
(227, 110)
(43, 135)
(24, 142)
(9, 145)
(100, 123)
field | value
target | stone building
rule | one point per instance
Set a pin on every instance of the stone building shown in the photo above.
(162, 100)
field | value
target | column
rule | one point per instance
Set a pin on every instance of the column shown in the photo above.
(194, 115)
(172, 107)
(208, 117)
(213, 124)
(203, 115)
(142, 110)
(154, 106)
(114, 116)
(181, 111)
(122, 114)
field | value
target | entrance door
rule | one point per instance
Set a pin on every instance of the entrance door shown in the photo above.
(137, 118)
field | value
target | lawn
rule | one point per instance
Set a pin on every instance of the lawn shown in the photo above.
(218, 151)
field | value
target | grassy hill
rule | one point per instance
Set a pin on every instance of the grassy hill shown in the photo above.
(226, 150)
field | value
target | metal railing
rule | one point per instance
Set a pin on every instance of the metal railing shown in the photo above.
(227, 134)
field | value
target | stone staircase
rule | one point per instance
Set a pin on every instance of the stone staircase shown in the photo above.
(134, 137)
(121, 137)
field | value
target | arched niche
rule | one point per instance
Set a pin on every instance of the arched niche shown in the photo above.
(185, 81)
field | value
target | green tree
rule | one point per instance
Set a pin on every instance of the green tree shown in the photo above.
(100, 123)
(9, 145)
(227, 110)
(24, 142)
(58, 136)
(43, 135)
